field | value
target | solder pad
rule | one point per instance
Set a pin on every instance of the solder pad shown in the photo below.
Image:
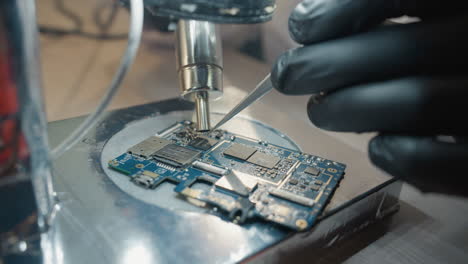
(249, 179)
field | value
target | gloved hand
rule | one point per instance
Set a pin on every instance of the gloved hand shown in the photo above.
(408, 82)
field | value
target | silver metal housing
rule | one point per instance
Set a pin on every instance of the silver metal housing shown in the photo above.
(199, 59)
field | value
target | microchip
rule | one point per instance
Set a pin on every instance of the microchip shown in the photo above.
(203, 143)
(176, 155)
(239, 151)
(315, 187)
(181, 134)
(264, 160)
(293, 182)
(312, 171)
(148, 146)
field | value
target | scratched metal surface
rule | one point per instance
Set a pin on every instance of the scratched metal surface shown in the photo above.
(100, 220)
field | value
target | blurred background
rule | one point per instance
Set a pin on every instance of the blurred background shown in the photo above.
(81, 46)
(82, 43)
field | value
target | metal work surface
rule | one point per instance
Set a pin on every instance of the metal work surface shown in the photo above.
(114, 221)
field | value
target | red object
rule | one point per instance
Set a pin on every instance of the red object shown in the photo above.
(8, 97)
(12, 143)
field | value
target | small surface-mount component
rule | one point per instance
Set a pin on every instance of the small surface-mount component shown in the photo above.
(312, 171)
(207, 178)
(293, 181)
(148, 146)
(264, 160)
(150, 174)
(239, 151)
(217, 134)
(209, 168)
(176, 155)
(315, 187)
(143, 180)
(181, 134)
(292, 197)
(318, 182)
(203, 143)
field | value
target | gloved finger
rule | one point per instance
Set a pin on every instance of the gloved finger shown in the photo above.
(386, 53)
(425, 162)
(319, 20)
(414, 104)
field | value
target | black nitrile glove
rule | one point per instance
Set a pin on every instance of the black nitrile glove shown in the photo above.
(409, 82)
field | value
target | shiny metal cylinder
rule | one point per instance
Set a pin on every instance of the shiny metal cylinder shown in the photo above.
(26, 195)
(199, 59)
(202, 111)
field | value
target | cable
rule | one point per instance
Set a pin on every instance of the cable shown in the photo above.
(134, 36)
(61, 32)
(103, 24)
(75, 19)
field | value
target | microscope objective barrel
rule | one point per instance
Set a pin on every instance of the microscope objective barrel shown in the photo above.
(199, 66)
(202, 111)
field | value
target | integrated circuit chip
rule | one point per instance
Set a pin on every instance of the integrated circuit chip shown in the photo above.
(148, 146)
(203, 143)
(312, 171)
(315, 187)
(264, 160)
(239, 151)
(293, 181)
(176, 155)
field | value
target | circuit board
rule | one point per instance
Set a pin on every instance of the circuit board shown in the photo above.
(247, 179)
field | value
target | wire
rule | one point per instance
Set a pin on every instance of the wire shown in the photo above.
(61, 32)
(76, 20)
(134, 36)
(103, 24)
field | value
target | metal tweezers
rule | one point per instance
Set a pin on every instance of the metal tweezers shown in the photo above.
(262, 88)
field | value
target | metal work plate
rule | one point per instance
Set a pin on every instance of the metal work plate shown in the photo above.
(105, 218)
